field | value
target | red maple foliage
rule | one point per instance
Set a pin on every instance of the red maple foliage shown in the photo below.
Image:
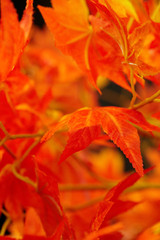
(62, 154)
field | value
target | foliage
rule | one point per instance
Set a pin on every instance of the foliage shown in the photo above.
(62, 155)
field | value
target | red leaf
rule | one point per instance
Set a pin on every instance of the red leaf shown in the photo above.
(115, 122)
(17, 195)
(89, 39)
(79, 140)
(111, 206)
(13, 35)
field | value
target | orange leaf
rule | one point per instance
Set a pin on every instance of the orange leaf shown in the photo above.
(111, 206)
(83, 127)
(13, 35)
(90, 40)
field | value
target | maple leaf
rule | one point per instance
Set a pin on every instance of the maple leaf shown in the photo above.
(18, 195)
(90, 40)
(137, 41)
(111, 205)
(67, 25)
(84, 126)
(131, 44)
(13, 35)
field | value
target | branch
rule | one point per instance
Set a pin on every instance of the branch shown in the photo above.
(16, 136)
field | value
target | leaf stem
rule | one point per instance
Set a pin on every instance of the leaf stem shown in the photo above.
(33, 145)
(102, 187)
(89, 187)
(3, 129)
(15, 136)
(5, 226)
(132, 87)
(84, 205)
(7, 167)
(9, 151)
(5, 213)
(25, 136)
(3, 140)
(147, 100)
(84, 187)
(23, 178)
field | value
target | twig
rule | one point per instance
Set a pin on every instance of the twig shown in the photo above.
(3, 140)
(146, 101)
(16, 136)
(4, 129)
(9, 151)
(84, 187)
(5, 226)
(102, 187)
(92, 202)
(4, 212)
(33, 145)
(23, 178)
(132, 87)
(84, 205)
(34, 135)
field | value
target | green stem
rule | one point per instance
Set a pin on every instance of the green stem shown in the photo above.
(84, 187)
(147, 100)
(5, 213)
(4, 129)
(89, 187)
(7, 167)
(83, 205)
(5, 226)
(9, 151)
(3, 140)
(25, 136)
(101, 187)
(33, 145)
(132, 87)
(16, 136)
(156, 100)
(23, 178)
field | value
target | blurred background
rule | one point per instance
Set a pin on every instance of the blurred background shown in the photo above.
(38, 20)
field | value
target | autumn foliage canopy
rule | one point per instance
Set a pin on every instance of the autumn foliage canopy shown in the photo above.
(80, 121)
